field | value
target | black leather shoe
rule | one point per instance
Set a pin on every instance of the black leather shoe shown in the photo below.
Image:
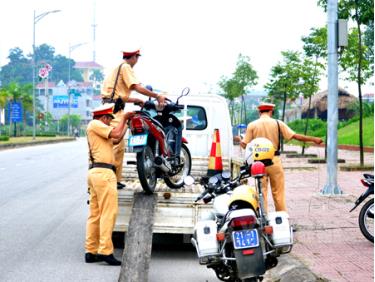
(90, 258)
(110, 259)
(120, 185)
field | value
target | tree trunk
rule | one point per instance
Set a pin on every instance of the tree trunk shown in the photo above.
(306, 126)
(283, 119)
(232, 111)
(244, 109)
(241, 110)
(359, 85)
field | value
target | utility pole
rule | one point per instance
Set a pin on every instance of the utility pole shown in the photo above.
(36, 19)
(331, 187)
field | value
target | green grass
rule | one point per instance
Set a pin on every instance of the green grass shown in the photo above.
(29, 139)
(349, 135)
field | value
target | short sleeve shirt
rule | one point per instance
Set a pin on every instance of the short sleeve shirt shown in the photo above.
(101, 145)
(125, 80)
(267, 127)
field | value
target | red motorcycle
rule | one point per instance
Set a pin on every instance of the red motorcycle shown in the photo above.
(161, 149)
(366, 215)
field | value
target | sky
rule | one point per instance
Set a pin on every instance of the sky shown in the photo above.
(183, 42)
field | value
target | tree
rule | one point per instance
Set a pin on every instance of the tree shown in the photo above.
(15, 92)
(97, 75)
(243, 78)
(18, 69)
(75, 121)
(246, 78)
(60, 64)
(362, 13)
(285, 79)
(231, 88)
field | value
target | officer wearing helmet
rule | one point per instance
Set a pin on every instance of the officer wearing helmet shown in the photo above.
(116, 89)
(273, 130)
(102, 183)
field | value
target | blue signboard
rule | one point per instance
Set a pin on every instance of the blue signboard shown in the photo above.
(62, 102)
(15, 112)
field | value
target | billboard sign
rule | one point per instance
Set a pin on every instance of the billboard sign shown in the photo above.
(15, 112)
(62, 102)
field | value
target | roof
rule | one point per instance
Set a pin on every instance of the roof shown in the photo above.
(319, 100)
(87, 65)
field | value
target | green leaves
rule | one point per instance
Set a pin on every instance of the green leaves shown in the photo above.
(243, 78)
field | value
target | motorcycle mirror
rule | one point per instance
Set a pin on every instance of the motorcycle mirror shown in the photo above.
(189, 180)
(184, 92)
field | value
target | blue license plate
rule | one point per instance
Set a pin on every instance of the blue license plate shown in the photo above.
(245, 239)
(137, 140)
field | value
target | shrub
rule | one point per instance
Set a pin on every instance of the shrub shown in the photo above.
(317, 127)
(4, 138)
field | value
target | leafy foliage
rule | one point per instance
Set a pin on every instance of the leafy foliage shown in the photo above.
(19, 67)
(284, 84)
(349, 60)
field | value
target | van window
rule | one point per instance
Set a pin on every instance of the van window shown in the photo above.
(196, 117)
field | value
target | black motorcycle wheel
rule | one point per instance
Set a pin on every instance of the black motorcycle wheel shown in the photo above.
(366, 223)
(177, 181)
(146, 169)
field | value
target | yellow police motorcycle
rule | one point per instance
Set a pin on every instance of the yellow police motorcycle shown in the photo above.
(238, 239)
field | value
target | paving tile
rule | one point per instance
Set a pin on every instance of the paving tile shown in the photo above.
(328, 239)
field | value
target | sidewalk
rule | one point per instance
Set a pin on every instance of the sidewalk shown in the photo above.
(328, 239)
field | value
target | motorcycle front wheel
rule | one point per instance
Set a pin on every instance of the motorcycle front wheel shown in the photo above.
(366, 220)
(177, 181)
(146, 169)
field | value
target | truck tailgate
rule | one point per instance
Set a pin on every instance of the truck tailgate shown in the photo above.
(176, 211)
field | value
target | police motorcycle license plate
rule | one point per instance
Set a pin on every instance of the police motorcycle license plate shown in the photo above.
(245, 239)
(137, 140)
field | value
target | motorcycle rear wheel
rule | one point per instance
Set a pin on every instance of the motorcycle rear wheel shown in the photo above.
(177, 181)
(366, 224)
(146, 169)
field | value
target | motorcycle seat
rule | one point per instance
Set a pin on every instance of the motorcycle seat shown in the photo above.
(368, 176)
(156, 122)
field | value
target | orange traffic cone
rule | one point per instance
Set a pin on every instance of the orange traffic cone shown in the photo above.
(215, 162)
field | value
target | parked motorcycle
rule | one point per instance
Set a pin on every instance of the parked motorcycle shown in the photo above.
(366, 215)
(239, 240)
(161, 149)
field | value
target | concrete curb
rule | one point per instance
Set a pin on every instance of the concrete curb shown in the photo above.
(289, 269)
(33, 143)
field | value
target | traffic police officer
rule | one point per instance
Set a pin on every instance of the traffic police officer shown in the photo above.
(273, 130)
(102, 183)
(116, 89)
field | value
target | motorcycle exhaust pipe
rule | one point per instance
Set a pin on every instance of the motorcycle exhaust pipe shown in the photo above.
(159, 163)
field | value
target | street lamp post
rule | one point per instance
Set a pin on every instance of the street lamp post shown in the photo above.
(71, 48)
(36, 19)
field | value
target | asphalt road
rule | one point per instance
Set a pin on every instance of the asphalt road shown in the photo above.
(42, 222)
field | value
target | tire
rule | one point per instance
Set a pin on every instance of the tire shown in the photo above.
(366, 224)
(177, 181)
(146, 169)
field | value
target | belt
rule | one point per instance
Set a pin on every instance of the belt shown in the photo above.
(277, 153)
(103, 165)
(107, 100)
